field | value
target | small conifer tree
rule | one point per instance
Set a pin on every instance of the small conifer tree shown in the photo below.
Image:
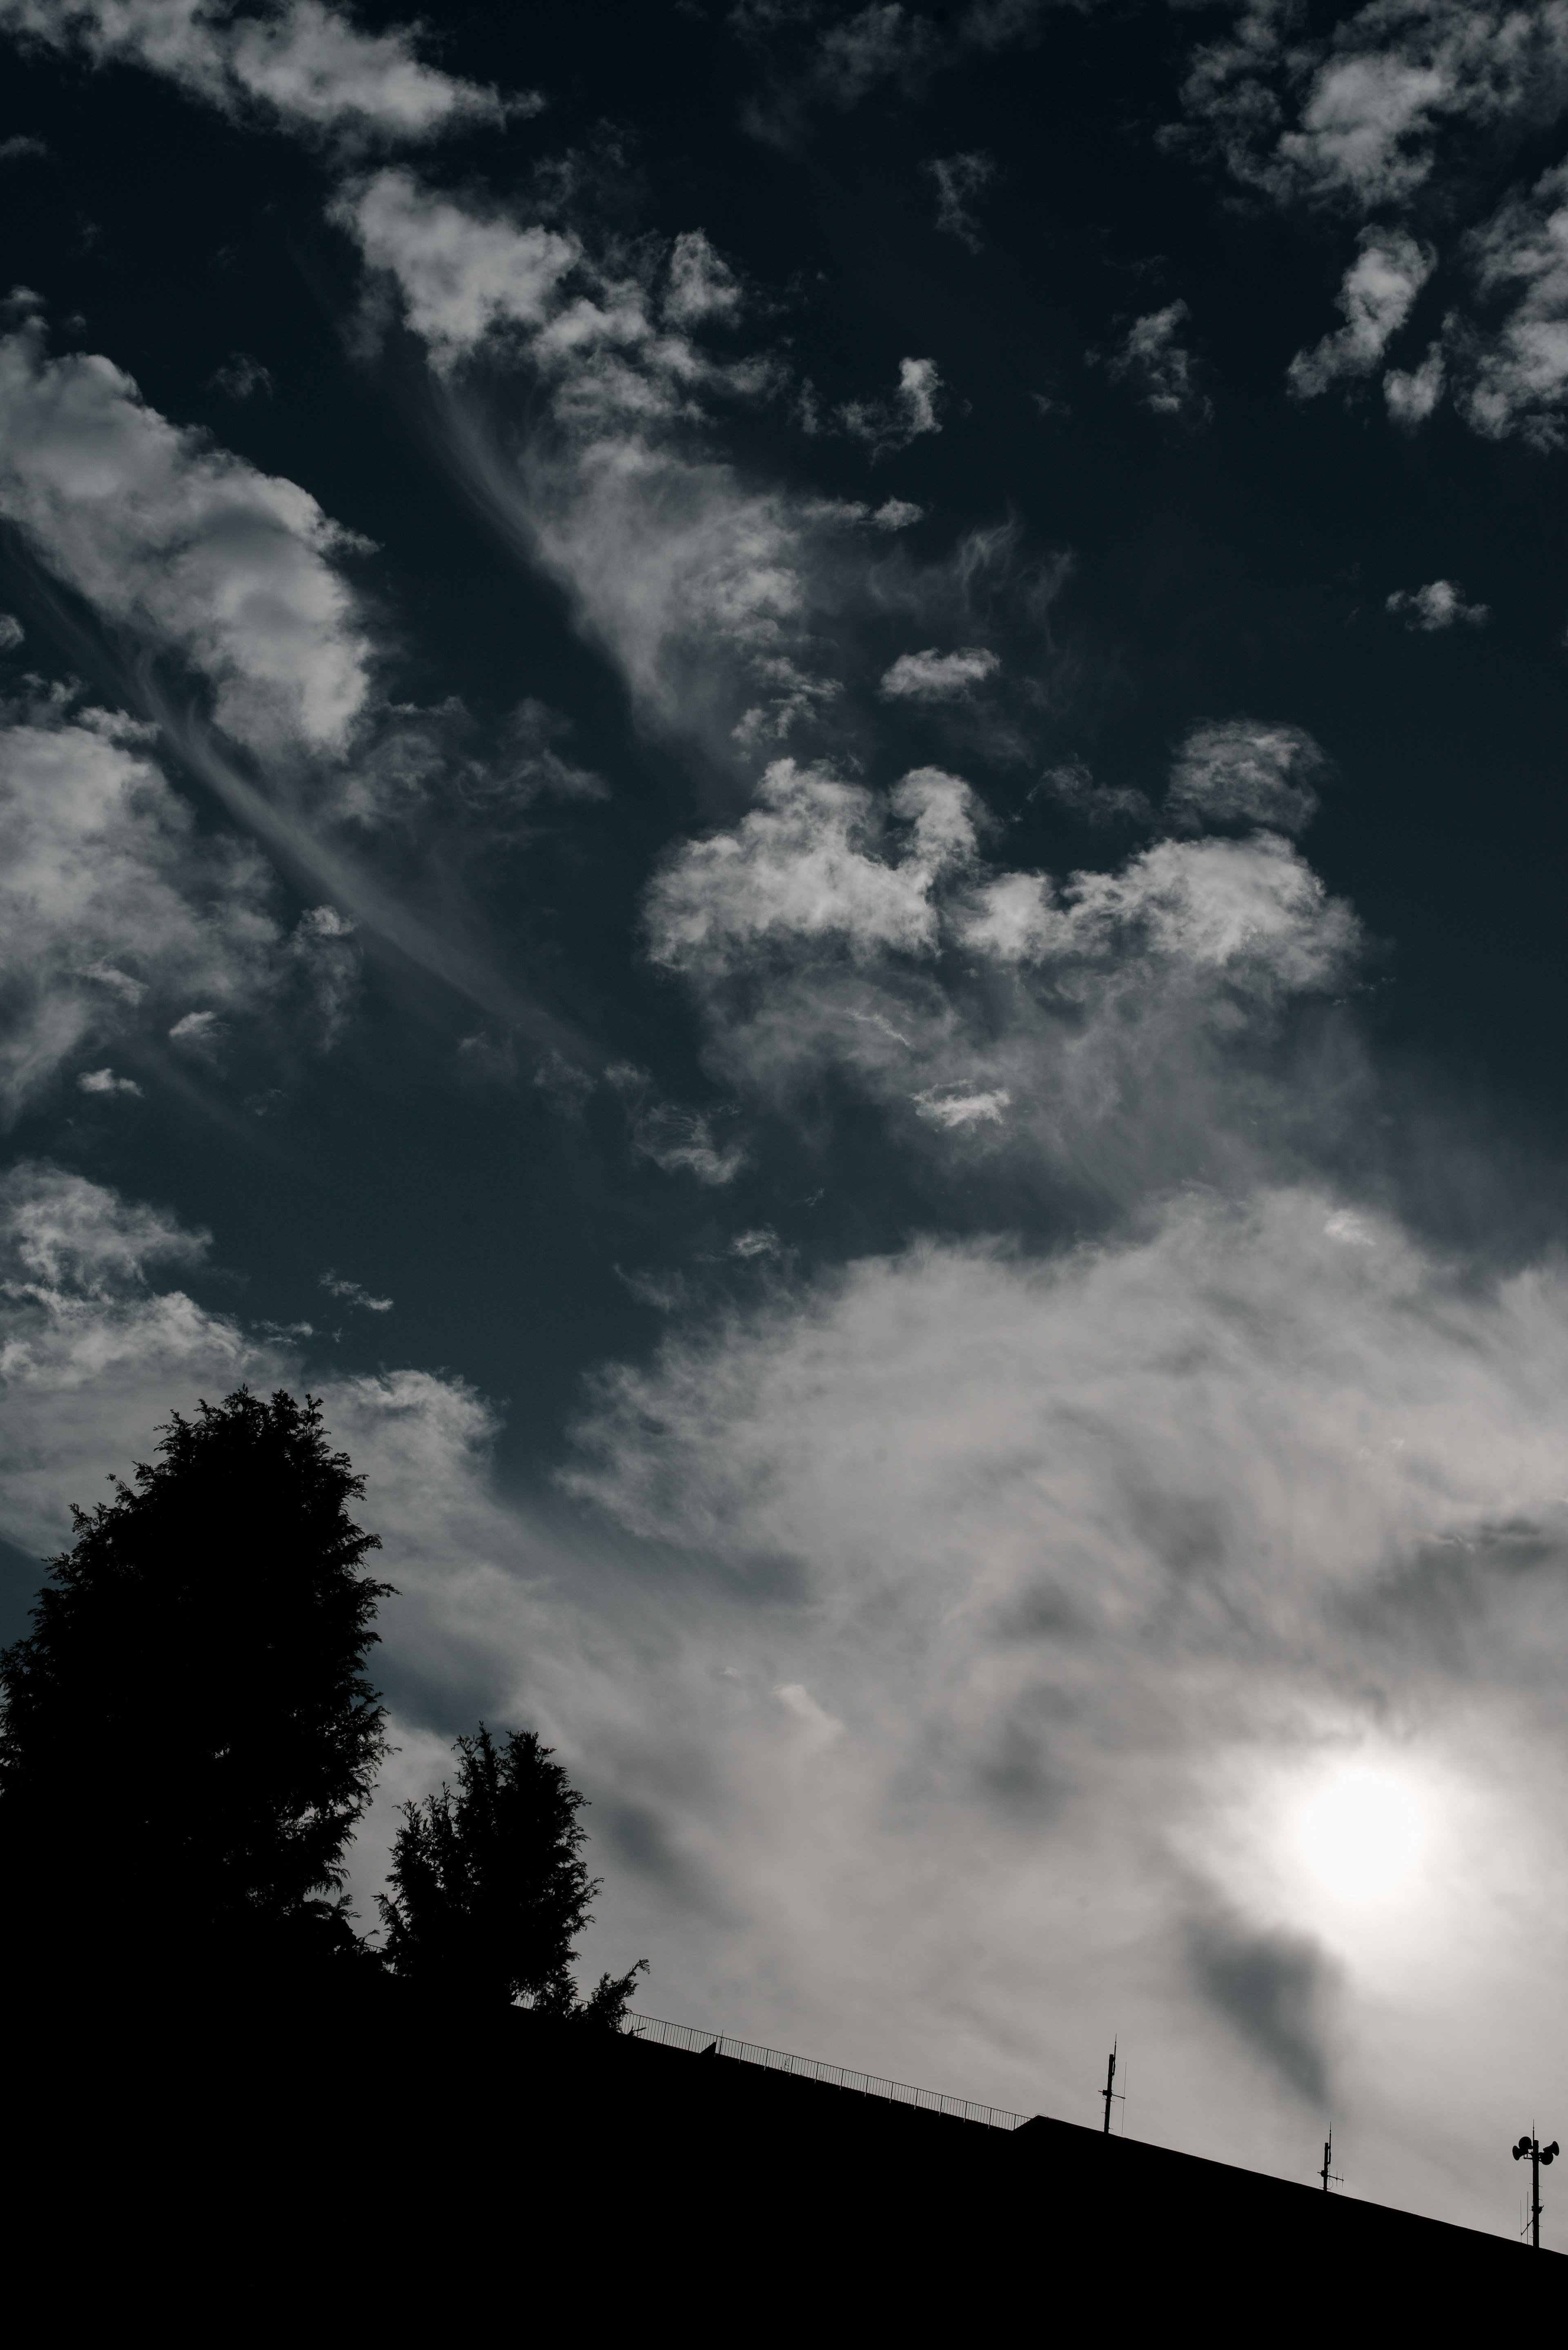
(488, 1886)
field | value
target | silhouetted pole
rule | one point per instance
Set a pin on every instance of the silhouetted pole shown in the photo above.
(1538, 2155)
(1110, 2092)
(1328, 2171)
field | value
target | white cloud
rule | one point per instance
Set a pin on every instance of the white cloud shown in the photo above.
(934, 676)
(958, 1107)
(1358, 117)
(1516, 377)
(886, 425)
(11, 632)
(700, 284)
(350, 1294)
(104, 1081)
(1377, 296)
(183, 544)
(300, 63)
(960, 180)
(115, 912)
(1095, 1559)
(461, 275)
(1437, 605)
(1234, 771)
(1413, 393)
(1154, 361)
(836, 929)
(809, 863)
(1061, 1582)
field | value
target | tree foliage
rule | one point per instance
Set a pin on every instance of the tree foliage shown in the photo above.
(188, 1733)
(488, 1887)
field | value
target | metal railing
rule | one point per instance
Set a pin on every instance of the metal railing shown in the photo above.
(778, 2060)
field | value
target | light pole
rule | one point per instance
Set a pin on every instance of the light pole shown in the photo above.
(1538, 2155)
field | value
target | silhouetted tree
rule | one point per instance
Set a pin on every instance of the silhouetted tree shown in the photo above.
(188, 1733)
(488, 1887)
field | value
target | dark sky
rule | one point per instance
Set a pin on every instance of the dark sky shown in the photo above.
(788, 776)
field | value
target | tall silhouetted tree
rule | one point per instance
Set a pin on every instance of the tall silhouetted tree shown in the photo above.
(489, 1888)
(188, 1732)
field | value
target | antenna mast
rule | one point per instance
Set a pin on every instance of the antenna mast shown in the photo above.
(1538, 2155)
(1328, 2170)
(1111, 2094)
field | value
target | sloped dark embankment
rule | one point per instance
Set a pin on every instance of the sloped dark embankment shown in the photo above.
(367, 2156)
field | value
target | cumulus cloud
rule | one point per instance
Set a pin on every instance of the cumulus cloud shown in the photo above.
(1357, 116)
(1516, 377)
(1437, 605)
(120, 922)
(835, 928)
(1235, 772)
(960, 180)
(299, 64)
(184, 545)
(806, 864)
(104, 1081)
(1377, 296)
(934, 676)
(1155, 363)
(914, 409)
(1413, 393)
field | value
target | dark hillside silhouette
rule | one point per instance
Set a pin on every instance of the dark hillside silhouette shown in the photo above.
(488, 1886)
(189, 1735)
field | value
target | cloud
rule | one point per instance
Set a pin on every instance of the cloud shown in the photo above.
(1045, 1578)
(1274, 1986)
(184, 545)
(1517, 375)
(1158, 367)
(838, 932)
(888, 425)
(300, 64)
(350, 1294)
(1234, 771)
(694, 579)
(934, 676)
(1081, 1546)
(1359, 116)
(1437, 605)
(1072, 786)
(243, 377)
(20, 148)
(960, 178)
(104, 1081)
(1412, 393)
(115, 912)
(841, 64)
(1377, 296)
(806, 864)
(11, 632)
